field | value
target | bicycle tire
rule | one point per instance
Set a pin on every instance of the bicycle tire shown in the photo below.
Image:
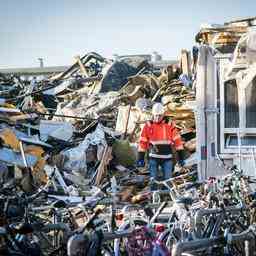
(51, 242)
(137, 222)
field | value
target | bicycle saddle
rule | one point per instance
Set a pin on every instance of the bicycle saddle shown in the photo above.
(59, 204)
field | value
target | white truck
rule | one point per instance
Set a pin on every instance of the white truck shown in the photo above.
(226, 98)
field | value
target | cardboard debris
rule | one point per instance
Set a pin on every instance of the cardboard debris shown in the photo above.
(9, 139)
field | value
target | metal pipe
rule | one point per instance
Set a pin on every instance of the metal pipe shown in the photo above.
(181, 247)
(23, 154)
(72, 69)
(117, 235)
(248, 237)
(67, 116)
(160, 209)
(49, 227)
(205, 116)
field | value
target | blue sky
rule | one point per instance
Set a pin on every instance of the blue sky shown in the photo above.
(57, 30)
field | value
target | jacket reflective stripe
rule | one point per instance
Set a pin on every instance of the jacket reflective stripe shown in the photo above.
(160, 156)
(161, 142)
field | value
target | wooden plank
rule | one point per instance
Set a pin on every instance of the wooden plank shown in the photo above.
(186, 62)
(103, 164)
(81, 65)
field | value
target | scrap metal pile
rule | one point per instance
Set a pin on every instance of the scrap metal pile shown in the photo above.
(69, 183)
(81, 123)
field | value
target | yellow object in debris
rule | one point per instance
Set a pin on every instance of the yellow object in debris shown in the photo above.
(9, 138)
(34, 150)
(7, 105)
(99, 207)
(38, 172)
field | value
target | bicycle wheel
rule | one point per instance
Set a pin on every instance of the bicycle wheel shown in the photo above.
(53, 238)
(119, 244)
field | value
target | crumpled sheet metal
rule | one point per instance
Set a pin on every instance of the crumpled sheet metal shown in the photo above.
(59, 130)
(33, 155)
(11, 137)
(77, 156)
(9, 156)
(88, 106)
(149, 84)
(61, 87)
(117, 74)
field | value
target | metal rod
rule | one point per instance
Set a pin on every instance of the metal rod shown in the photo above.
(82, 80)
(66, 116)
(23, 155)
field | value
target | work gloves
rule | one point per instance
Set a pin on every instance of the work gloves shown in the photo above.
(181, 162)
(181, 156)
(140, 161)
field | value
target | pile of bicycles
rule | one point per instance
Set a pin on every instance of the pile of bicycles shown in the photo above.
(182, 217)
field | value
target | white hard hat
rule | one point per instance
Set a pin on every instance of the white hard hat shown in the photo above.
(158, 109)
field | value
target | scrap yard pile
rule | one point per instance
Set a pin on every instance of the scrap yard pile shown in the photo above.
(85, 122)
(70, 182)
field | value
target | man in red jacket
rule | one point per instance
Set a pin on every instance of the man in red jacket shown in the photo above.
(159, 137)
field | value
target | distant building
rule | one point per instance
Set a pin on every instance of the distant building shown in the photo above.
(28, 73)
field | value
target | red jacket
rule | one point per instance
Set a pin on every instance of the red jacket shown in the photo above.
(159, 138)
